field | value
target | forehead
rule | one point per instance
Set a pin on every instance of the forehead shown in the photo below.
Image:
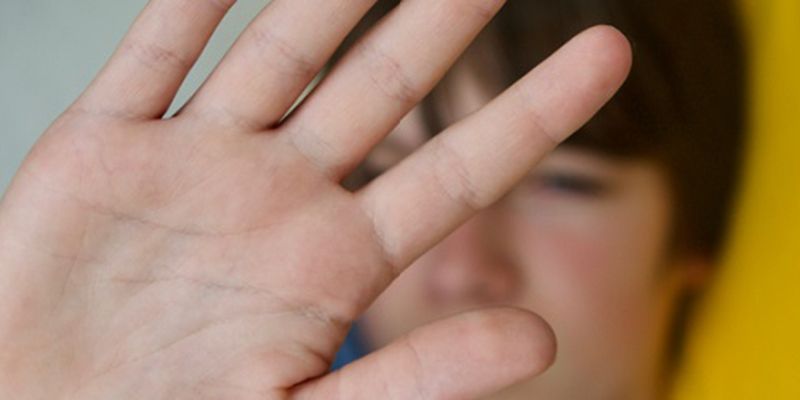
(412, 133)
(466, 88)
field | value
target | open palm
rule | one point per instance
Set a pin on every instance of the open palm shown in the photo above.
(214, 254)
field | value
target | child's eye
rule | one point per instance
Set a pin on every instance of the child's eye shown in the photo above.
(571, 184)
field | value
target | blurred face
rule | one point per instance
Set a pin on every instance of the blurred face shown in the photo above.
(582, 241)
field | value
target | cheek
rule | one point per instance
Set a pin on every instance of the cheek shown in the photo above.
(590, 272)
(575, 271)
(600, 255)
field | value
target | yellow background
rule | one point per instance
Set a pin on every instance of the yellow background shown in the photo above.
(747, 342)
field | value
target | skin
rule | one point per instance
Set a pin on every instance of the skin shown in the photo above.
(214, 254)
(583, 241)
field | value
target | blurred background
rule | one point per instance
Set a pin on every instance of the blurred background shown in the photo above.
(744, 344)
(50, 50)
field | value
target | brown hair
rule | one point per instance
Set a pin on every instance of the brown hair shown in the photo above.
(682, 106)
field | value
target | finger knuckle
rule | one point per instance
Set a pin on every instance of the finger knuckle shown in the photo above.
(281, 55)
(454, 177)
(389, 75)
(535, 119)
(156, 56)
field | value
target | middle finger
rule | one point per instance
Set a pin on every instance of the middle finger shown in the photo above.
(274, 60)
(391, 69)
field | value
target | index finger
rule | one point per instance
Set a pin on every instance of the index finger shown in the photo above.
(147, 69)
(474, 162)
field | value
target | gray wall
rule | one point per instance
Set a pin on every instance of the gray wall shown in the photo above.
(51, 49)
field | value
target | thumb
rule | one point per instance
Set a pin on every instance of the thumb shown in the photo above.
(463, 357)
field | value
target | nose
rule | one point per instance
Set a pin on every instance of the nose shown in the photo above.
(471, 267)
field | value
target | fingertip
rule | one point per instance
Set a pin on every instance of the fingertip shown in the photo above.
(519, 338)
(469, 355)
(613, 50)
(514, 343)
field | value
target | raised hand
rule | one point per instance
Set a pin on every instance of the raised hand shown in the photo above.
(214, 254)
